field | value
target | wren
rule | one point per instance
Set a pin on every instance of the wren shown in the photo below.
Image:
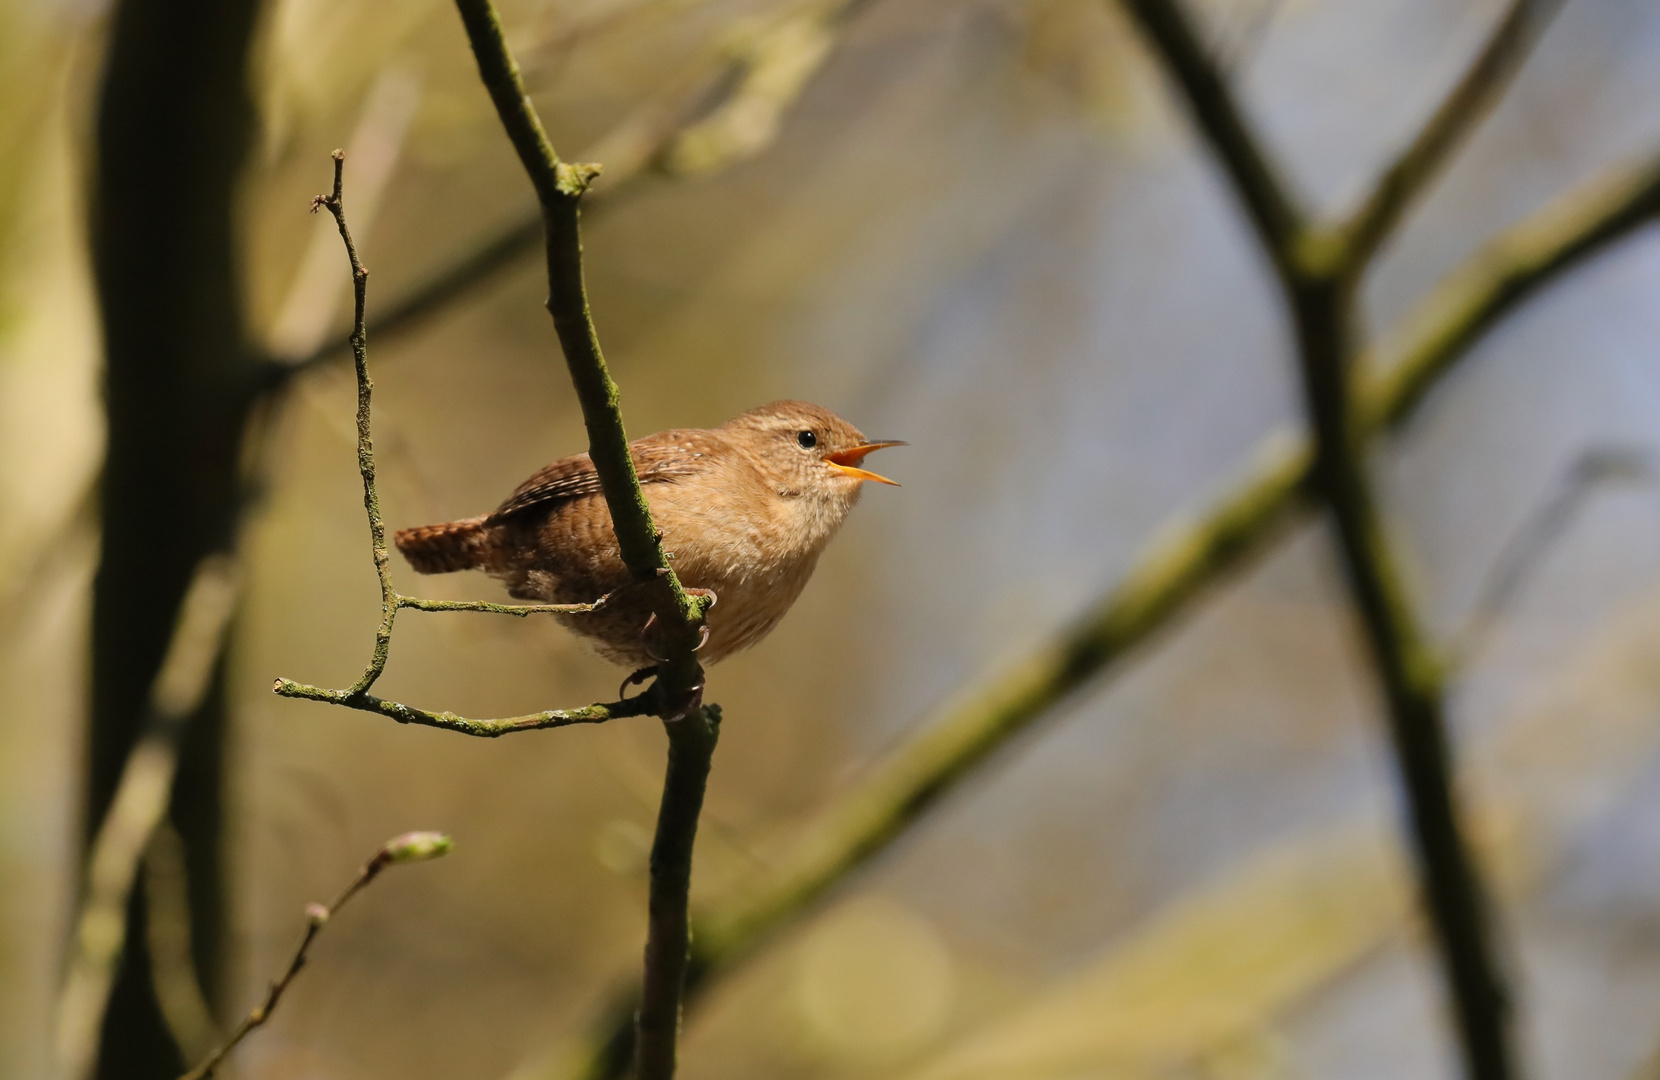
(744, 509)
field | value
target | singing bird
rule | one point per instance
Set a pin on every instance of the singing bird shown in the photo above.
(745, 510)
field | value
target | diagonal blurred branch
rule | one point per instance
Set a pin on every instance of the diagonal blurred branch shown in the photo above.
(184, 1007)
(1509, 269)
(140, 803)
(308, 314)
(1481, 86)
(1520, 557)
(728, 111)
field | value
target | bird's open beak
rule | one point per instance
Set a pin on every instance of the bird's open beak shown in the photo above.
(848, 461)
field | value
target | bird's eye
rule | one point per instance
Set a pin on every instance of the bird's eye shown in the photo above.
(807, 440)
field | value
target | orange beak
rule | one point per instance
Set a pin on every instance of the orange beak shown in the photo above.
(848, 461)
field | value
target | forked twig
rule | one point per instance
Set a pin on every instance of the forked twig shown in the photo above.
(410, 847)
(357, 695)
(690, 129)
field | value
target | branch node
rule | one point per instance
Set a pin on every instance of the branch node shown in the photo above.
(572, 179)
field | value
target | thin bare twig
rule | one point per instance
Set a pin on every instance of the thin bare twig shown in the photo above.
(1520, 557)
(644, 705)
(410, 847)
(1482, 84)
(139, 805)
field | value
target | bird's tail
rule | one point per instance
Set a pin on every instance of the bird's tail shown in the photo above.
(440, 549)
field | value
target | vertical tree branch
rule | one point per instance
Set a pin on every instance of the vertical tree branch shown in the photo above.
(559, 188)
(1412, 680)
(174, 120)
(691, 726)
(668, 942)
(1318, 276)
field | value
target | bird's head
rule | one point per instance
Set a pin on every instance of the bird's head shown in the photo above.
(808, 451)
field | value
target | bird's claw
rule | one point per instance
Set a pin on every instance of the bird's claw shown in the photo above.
(645, 637)
(703, 630)
(694, 702)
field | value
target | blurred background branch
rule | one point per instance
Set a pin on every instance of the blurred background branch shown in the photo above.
(1519, 559)
(728, 112)
(137, 810)
(1481, 86)
(1320, 293)
(174, 120)
(1188, 558)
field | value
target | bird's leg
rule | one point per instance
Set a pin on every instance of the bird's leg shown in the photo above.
(694, 697)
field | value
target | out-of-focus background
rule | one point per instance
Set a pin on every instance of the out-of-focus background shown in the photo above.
(986, 227)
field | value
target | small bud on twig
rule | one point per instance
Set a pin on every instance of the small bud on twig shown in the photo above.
(417, 847)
